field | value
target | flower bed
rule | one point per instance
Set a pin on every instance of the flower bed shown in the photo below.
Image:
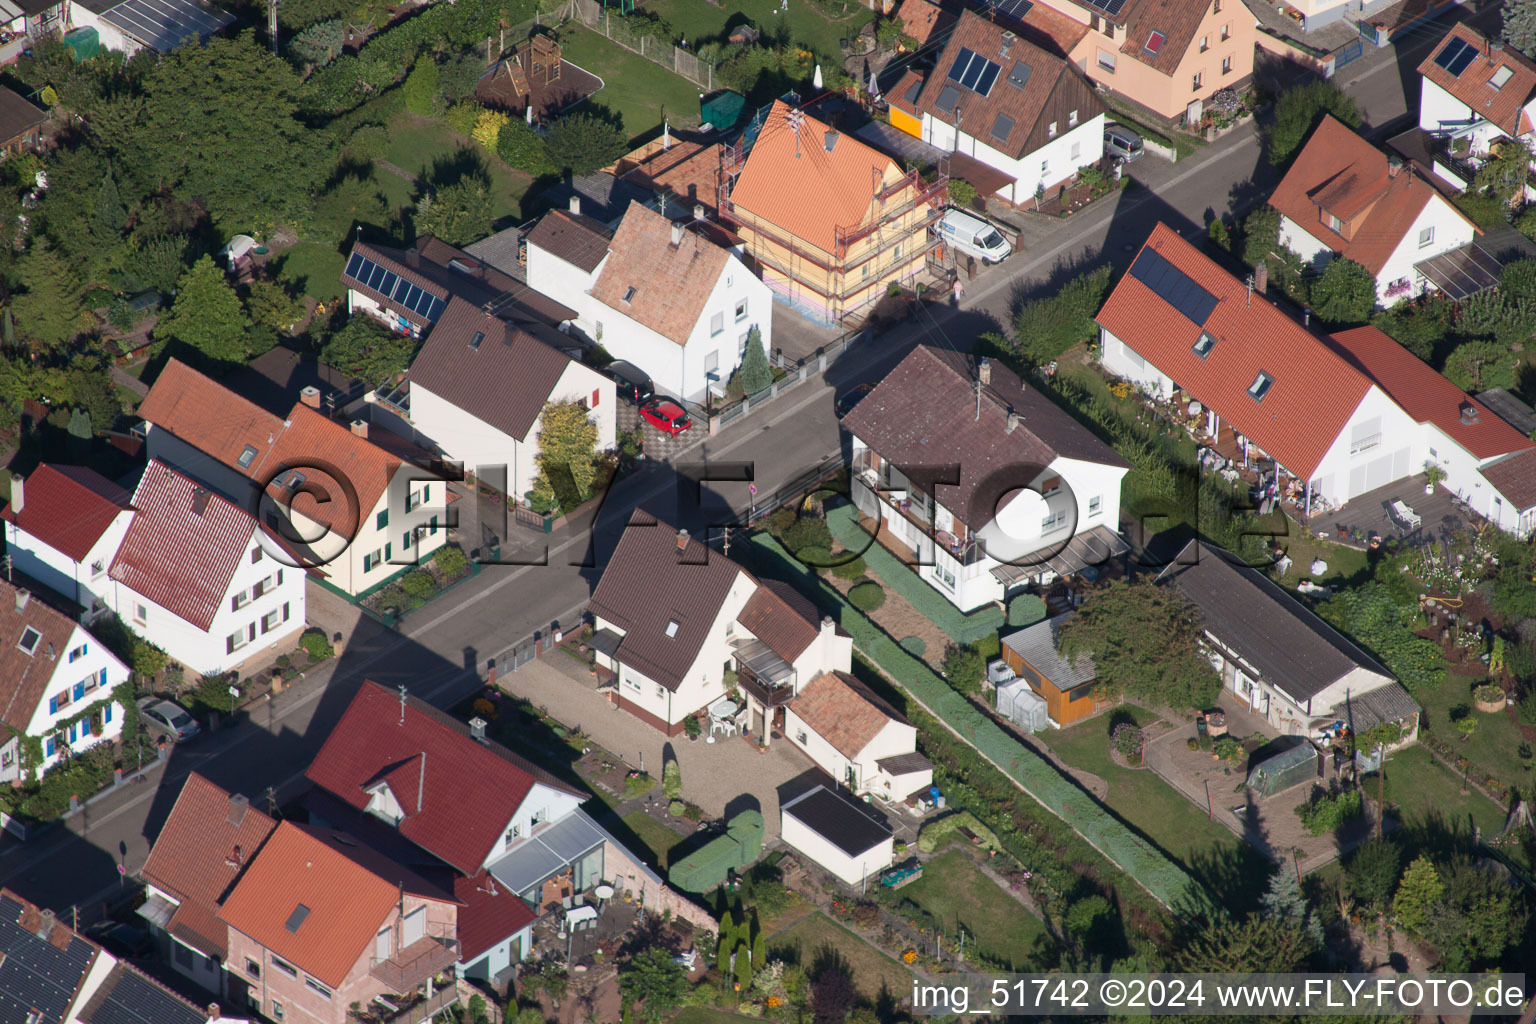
(414, 588)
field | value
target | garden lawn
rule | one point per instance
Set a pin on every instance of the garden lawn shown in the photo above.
(869, 965)
(639, 91)
(1494, 747)
(1140, 797)
(1419, 784)
(658, 838)
(416, 143)
(957, 894)
(702, 23)
(314, 268)
(707, 1015)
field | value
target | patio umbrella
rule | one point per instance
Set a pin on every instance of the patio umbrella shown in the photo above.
(816, 79)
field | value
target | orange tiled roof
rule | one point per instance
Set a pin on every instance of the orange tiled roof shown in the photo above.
(1315, 390)
(1337, 172)
(25, 678)
(793, 183)
(688, 170)
(843, 711)
(1503, 106)
(923, 20)
(661, 285)
(208, 416)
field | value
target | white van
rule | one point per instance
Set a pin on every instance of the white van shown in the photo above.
(975, 236)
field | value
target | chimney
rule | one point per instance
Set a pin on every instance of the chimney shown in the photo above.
(1008, 38)
(238, 805)
(984, 371)
(1014, 419)
(1394, 164)
(677, 235)
(45, 922)
(477, 728)
(698, 211)
(1469, 414)
(828, 624)
(576, 204)
(22, 597)
(18, 496)
(830, 139)
(360, 428)
(214, 1011)
(1260, 277)
(682, 540)
(200, 500)
(310, 396)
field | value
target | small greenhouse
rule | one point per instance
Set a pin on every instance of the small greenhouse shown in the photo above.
(1291, 767)
(1021, 705)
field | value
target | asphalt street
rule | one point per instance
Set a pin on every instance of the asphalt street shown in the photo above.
(440, 652)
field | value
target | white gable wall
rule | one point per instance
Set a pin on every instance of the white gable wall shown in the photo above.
(852, 870)
(1050, 164)
(1355, 463)
(77, 581)
(1447, 230)
(86, 682)
(544, 804)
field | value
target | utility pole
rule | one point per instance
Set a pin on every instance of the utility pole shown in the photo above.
(727, 542)
(272, 23)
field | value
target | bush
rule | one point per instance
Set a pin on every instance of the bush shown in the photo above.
(805, 531)
(964, 668)
(1046, 327)
(369, 142)
(316, 644)
(961, 192)
(638, 784)
(816, 557)
(1345, 293)
(1325, 812)
(419, 583)
(1026, 610)
(488, 128)
(450, 561)
(462, 117)
(1128, 740)
(583, 142)
(676, 808)
(420, 89)
(914, 645)
(520, 147)
(850, 570)
(867, 596)
(1299, 110)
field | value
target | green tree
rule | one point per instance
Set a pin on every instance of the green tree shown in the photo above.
(652, 979)
(1372, 873)
(420, 88)
(1415, 326)
(1345, 293)
(319, 43)
(1048, 326)
(1256, 944)
(458, 214)
(1420, 887)
(728, 940)
(567, 439)
(520, 147)
(742, 968)
(271, 305)
(1145, 641)
(157, 261)
(582, 143)
(1284, 902)
(1502, 175)
(110, 215)
(1477, 365)
(1519, 29)
(351, 201)
(672, 780)
(207, 315)
(1299, 110)
(367, 351)
(50, 312)
(754, 374)
(759, 945)
(964, 668)
(1261, 235)
(1478, 917)
(833, 994)
(458, 76)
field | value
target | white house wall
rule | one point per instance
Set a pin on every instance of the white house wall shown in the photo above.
(1122, 360)
(546, 803)
(553, 276)
(161, 444)
(1312, 250)
(851, 870)
(892, 739)
(406, 537)
(62, 574)
(1449, 230)
(468, 440)
(90, 665)
(1344, 473)
(1046, 166)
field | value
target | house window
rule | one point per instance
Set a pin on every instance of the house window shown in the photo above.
(140, 613)
(1072, 119)
(286, 967)
(1260, 386)
(57, 701)
(539, 816)
(415, 499)
(717, 323)
(661, 691)
(1205, 43)
(183, 955)
(1045, 167)
(1334, 223)
(1204, 344)
(1077, 151)
(632, 683)
(29, 639)
(277, 1010)
(317, 987)
(800, 737)
(712, 363)
(1226, 65)
(381, 520)
(1217, 8)
(1107, 60)
(1050, 130)
(1093, 22)
(1434, 454)
(49, 746)
(741, 310)
(252, 968)
(1095, 505)
(239, 600)
(1050, 486)
(432, 526)
(247, 456)
(405, 541)
(1504, 74)
(1226, 30)
(234, 641)
(98, 567)
(1054, 521)
(371, 560)
(76, 654)
(865, 274)
(256, 554)
(512, 833)
(274, 618)
(389, 551)
(944, 577)
(741, 348)
(1197, 81)
(1426, 236)
(1155, 41)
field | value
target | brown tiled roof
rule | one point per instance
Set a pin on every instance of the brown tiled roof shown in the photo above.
(68, 508)
(923, 20)
(1515, 477)
(1176, 20)
(505, 381)
(24, 677)
(310, 442)
(1337, 172)
(1315, 391)
(445, 270)
(201, 851)
(843, 711)
(787, 629)
(905, 94)
(578, 240)
(648, 583)
(208, 416)
(17, 115)
(348, 890)
(1503, 106)
(1008, 117)
(661, 285)
(1050, 30)
(798, 187)
(923, 414)
(687, 170)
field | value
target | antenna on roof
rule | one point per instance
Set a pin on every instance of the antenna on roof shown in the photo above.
(402, 703)
(796, 120)
(1249, 282)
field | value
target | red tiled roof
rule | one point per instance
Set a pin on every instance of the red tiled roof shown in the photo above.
(688, 170)
(1315, 391)
(24, 677)
(201, 851)
(1515, 478)
(468, 792)
(923, 20)
(1503, 106)
(208, 416)
(1339, 173)
(574, 238)
(1175, 20)
(661, 285)
(805, 191)
(491, 912)
(843, 711)
(787, 629)
(177, 556)
(1426, 395)
(349, 891)
(68, 508)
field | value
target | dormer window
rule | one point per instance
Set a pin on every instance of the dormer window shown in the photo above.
(29, 640)
(247, 457)
(294, 480)
(672, 628)
(1333, 222)
(1204, 345)
(1260, 386)
(1155, 42)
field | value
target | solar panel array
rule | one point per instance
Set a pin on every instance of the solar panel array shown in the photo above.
(394, 287)
(1173, 286)
(1016, 9)
(1110, 8)
(1458, 53)
(974, 71)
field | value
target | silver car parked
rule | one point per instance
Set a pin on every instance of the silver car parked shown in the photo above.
(1120, 141)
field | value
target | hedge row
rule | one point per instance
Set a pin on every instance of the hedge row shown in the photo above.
(706, 868)
(1165, 880)
(844, 524)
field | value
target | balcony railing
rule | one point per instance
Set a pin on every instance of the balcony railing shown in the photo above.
(422, 1011)
(966, 551)
(417, 962)
(765, 693)
(1365, 444)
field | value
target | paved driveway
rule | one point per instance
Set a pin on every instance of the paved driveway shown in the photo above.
(730, 772)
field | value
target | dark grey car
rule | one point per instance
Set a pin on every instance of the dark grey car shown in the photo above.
(1120, 141)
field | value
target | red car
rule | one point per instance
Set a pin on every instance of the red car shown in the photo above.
(667, 417)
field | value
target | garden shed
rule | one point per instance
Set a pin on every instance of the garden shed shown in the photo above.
(1020, 704)
(1290, 767)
